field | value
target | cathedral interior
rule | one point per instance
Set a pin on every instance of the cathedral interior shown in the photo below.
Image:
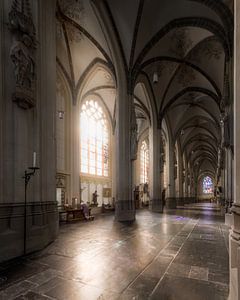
(119, 149)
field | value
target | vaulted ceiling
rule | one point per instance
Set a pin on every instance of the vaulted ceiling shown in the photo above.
(187, 43)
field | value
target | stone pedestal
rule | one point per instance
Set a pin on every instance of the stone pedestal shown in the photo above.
(156, 205)
(124, 211)
(234, 255)
(171, 203)
(229, 219)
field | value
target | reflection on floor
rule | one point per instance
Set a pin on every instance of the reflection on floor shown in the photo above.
(202, 206)
(179, 255)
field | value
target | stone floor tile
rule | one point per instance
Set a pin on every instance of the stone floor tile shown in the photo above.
(32, 296)
(181, 288)
(16, 290)
(44, 276)
(110, 260)
(179, 270)
(198, 273)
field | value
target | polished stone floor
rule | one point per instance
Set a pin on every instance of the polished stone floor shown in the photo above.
(180, 255)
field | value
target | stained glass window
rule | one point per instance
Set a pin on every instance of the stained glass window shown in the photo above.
(144, 162)
(94, 139)
(207, 185)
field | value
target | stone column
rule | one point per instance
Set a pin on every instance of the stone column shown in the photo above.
(171, 199)
(228, 187)
(155, 169)
(75, 153)
(234, 238)
(226, 177)
(124, 206)
(45, 132)
(180, 174)
(1, 103)
(186, 180)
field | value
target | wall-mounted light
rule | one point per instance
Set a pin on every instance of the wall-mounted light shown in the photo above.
(61, 114)
(155, 77)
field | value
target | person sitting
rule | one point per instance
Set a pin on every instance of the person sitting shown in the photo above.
(86, 211)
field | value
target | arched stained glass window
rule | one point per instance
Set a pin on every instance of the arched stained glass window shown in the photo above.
(207, 185)
(144, 162)
(94, 139)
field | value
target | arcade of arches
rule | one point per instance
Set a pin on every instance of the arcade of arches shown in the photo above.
(123, 105)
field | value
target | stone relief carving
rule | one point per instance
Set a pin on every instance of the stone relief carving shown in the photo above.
(22, 52)
(74, 34)
(181, 42)
(108, 79)
(134, 134)
(162, 154)
(175, 165)
(211, 49)
(74, 9)
(186, 76)
(180, 46)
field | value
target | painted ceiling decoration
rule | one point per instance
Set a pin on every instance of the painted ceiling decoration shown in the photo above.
(189, 48)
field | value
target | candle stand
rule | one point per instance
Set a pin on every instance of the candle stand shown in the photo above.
(27, 176)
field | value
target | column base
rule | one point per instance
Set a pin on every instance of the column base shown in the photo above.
(42, 228)
(125, 211)
(171, 203)
(156, 205)
(229, 219)
(234, 255)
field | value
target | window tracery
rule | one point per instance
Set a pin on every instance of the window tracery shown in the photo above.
(207, 185)
(144, 162)
(94, 140)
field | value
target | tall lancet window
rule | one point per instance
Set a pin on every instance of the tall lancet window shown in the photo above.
(207, 185)
(94, 140)
(144, 162)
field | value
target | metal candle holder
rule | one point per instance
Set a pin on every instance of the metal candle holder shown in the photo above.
(27, 176)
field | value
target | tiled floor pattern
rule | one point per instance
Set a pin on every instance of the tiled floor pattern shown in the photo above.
(177, 255)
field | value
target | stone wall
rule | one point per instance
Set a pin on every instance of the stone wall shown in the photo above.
(27, 114)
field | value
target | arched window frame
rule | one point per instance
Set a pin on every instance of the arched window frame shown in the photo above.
(144, 162)
(89, 172)
(206, 185)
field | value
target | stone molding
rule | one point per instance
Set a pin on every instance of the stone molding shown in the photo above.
(42, 227)
(125, 210)
(16, 210)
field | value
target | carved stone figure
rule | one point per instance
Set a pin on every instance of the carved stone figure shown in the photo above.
(22, 52)
(134, 134)
(94, 198)
(162, 154)
(23, 62)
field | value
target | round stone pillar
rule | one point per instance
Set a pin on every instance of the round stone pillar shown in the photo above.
(155, 169)
(171, 201)
(234, 238)
(124, 205)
